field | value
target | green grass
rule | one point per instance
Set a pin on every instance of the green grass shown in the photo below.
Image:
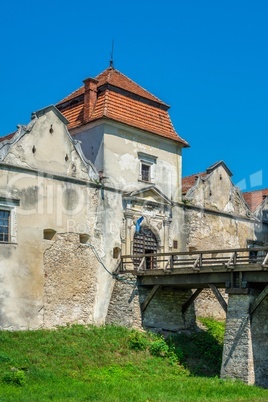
(202, 350)
(115, 364)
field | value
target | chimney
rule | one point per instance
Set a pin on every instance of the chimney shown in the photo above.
(90, 97)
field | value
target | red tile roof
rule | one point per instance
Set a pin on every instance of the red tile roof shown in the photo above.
(189, 181)
(122, 100)
(255, 198)
(7, 137)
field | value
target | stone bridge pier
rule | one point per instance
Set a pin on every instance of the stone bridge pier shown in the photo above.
(155, 308)
(245, 350)
(169, 308)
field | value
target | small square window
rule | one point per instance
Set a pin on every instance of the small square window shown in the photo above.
(145, 172)
(147, 167)
(4, 225)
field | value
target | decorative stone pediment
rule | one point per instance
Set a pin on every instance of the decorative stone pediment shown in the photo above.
(148, 195)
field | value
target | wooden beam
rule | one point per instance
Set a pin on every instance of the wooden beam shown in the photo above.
(191, 299)
(141, 264)
(168, 263)
(258, 300)
(232, 259)
(264, 265)
(192, 253)
(149, 297)
(197, 263)
(195, 280)
(218, 296)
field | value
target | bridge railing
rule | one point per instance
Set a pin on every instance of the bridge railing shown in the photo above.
(196, 260)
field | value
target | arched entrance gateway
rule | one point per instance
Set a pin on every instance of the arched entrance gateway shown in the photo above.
(145, 243)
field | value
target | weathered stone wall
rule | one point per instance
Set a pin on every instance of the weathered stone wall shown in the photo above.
(70, 283)
(206, 305)
(208, 230)
(164, 310)
(245, 343)
(261, 226)
(162, 313)
(124, 308)
(259, 333)
(237, 361)
(216, 217)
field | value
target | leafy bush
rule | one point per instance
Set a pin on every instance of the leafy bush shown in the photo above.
(156, 345)
(215, 328)
(14, 377)
(159, 347)
(137, 341)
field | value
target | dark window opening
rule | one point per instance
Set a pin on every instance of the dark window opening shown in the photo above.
(145, 172)
(150, 260)
(83, 238)
(48, 234)
(116, 252)
(4, 226)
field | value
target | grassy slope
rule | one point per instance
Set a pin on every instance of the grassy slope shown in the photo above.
(115, 364)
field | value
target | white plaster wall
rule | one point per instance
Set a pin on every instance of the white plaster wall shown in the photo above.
(54, 151)
(114, 149)
(52, 189)
(107, 235)
(122, 165)
(92, 143)
(44, 203)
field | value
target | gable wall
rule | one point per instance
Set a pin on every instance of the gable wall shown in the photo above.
(47, 151)
(219, 217)
(44, 203)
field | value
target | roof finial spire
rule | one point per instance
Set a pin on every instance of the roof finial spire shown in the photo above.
(112, 56)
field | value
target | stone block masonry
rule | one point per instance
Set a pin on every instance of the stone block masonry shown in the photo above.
(237, 361)
(259, 331)
(70, 282)
(245, 344)
(162, 313)
(124, 308)
(164, 310)
(206, 305)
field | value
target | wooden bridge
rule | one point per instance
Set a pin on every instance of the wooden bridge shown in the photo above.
(227, 268)
(243, 272)
(237, 270)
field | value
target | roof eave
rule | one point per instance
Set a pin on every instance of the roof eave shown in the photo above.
(179, 140)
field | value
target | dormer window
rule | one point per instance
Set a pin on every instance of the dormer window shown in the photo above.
(147, 167)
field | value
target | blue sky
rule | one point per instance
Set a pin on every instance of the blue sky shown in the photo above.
(207, 59)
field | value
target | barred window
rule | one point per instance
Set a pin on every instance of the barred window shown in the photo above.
(4, 225)
(147, 167)
(145, 172)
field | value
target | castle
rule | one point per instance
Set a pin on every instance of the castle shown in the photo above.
(97, 176)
